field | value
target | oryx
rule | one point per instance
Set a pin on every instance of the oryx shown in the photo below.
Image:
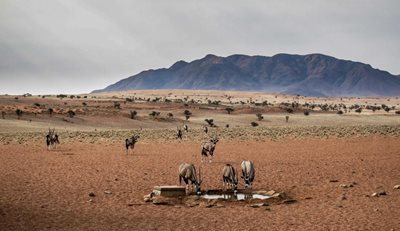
(130, 143)
(205, 129)
(178, 133)
(230, 177)
(248, 172)
(187, 172)
(207, 148)
(52, 139)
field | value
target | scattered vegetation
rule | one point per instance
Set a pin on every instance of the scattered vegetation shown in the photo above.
(187, 114)
(71, 113)
(133, 114)
(259, 116)
(50, 111)
(229, 110)
(117, 105)
(210, 122)
(19, 113)
(254, 124)
(154, 114)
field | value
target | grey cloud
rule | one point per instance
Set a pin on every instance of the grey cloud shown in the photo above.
(77, 46)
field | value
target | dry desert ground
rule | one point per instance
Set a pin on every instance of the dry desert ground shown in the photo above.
(340, 169)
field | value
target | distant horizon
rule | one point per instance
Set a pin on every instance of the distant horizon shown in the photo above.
(74, 46)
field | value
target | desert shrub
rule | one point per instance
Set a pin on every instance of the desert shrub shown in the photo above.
(229, 110)
(133, 114)
(340, 112)
(227, 125)
(187, 114)
(306, 113)
(358, 110)
(3, 115)
(50, 111)
(170, 115)
(61, 96)
(78, 96)
(71, 113)
(387, 109)
(84, 104)
(85, 96)
(259, 116)
(19, 113)
(289, 110)
(397, 112)
(71, 96)
(16, 98)
(36, 104)
(210, 122)
(254, 124)
(117, 105)
(154, 114)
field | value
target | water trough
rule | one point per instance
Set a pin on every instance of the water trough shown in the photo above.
(173, 195)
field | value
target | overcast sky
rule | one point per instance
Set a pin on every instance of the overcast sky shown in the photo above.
(76, 46)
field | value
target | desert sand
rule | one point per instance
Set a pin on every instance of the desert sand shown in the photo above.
(330, 164)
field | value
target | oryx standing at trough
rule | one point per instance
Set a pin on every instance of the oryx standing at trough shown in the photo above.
(130, 143)
(248, 173)
(52, 139)
(207, 149)
(230, 177)
(187, 172)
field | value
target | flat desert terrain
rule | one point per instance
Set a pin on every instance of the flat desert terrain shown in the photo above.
(341, 170)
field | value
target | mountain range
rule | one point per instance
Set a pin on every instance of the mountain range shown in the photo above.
(308, 75)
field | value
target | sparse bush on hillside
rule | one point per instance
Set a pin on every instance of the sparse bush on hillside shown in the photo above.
(19, 113)
(340, 112)
(50, 111)
(289, 110)
(170, 115)
(229, 110)
(210, 122)
(358, 110)
(254, 124)
(306, 113)
(397, 112)
(259, 116)
(84, 104)
(71, 113)
(117, 105)
(133, 114)
(154, 114)
(187, 114)
(61, 96)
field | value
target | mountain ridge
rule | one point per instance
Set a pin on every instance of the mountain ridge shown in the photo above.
(309, 75)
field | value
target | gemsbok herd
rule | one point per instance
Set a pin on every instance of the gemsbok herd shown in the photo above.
(187, 172)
